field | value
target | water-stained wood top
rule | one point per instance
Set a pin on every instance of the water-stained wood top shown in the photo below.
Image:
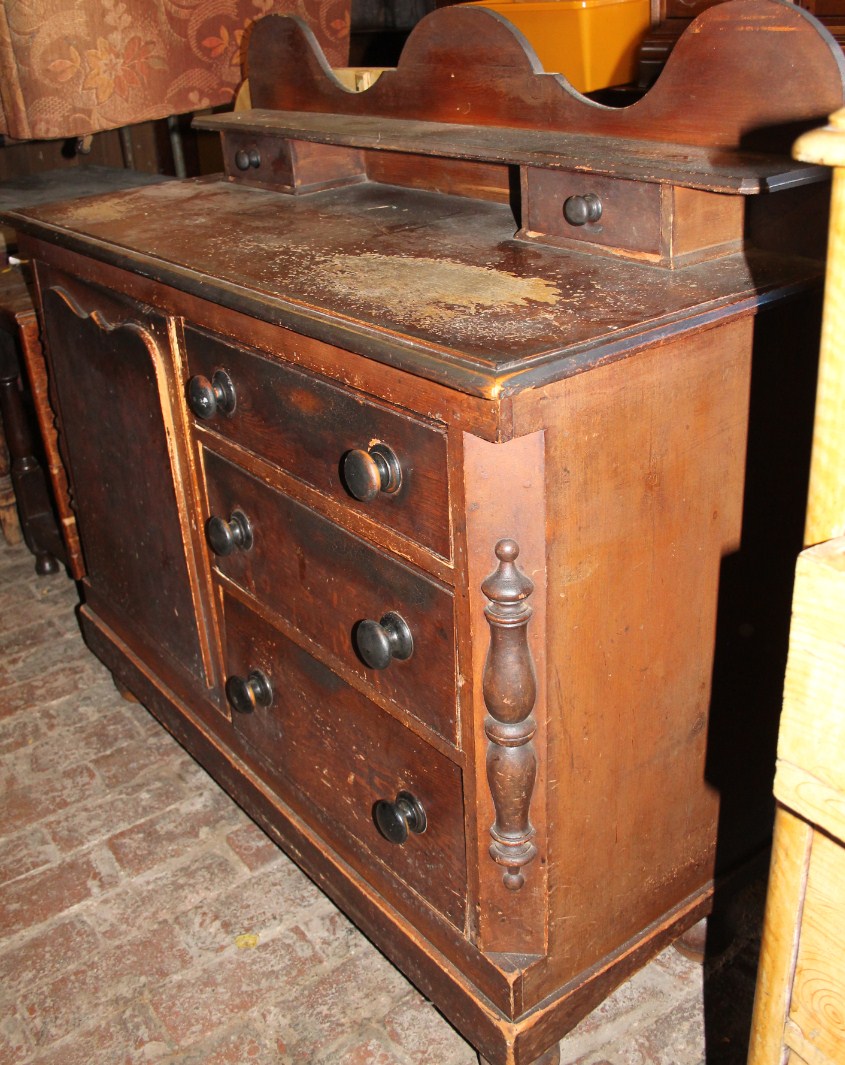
(434, 284)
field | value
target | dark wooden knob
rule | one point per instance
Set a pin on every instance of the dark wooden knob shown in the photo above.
(244, 159)
(207, 398)
(367, 473)
(224, 537)
(379, 642)
(579, 210)
(396, 819)
(246, 694)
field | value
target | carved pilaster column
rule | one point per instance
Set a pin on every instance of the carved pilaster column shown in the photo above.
(510, 689)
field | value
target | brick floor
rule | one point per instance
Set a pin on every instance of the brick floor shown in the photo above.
(144, 918)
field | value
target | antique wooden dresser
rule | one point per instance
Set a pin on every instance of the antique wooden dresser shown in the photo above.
(409, 464)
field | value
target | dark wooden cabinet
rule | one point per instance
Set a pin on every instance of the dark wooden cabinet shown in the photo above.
(410, 490)
(112, 372)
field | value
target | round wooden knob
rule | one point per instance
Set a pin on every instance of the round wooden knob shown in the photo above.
(207, 398)
(579, 210)
(395, 820)
(368, 473)
(246, 694)
(379, 642)
(224, 537)
(244, 159)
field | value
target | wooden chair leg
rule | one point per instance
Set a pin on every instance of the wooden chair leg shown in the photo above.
(30, 487)
(9, 523)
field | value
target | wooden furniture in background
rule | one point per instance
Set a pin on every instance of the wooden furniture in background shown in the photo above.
(9, 523)
(30, 508)
(800, 1006)
(670, 18)
(409, 464)
(30, 494)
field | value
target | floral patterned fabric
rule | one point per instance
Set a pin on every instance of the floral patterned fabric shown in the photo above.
(72, 67)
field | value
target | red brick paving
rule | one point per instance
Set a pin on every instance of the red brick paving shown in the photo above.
(145, 919)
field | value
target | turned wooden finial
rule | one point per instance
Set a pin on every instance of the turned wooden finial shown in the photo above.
(510, 690)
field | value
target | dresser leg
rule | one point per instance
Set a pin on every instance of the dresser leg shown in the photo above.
(45, 564)
(551, 1057)
(124, 692)
(693, 943)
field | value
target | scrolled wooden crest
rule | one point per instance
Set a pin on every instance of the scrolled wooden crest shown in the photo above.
(745, 74)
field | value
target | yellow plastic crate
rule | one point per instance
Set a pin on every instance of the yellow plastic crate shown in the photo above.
(593, 43)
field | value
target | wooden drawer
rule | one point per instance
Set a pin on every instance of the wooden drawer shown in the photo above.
(637, 220)
(325, 582)
(306, 426)
(334, 754)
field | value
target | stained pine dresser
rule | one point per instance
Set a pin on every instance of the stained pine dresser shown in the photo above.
(409, 465)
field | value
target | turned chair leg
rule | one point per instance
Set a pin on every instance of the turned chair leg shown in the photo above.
(8, 506)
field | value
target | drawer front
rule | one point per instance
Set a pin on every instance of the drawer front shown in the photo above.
(307, 426)
(631, 217)
(326, 582)
(333, 755)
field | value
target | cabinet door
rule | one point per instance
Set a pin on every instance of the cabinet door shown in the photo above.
(110, 366)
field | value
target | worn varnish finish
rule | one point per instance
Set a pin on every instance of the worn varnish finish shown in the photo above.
(306, 427)
(685, 107)
(366, 755)
(483, 703)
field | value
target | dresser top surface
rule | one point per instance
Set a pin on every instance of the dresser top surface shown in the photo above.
(433, 284)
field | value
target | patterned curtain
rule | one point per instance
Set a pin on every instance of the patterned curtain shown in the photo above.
(72, 67)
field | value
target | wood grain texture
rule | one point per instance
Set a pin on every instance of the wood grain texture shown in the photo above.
(433, 285)
(324, 582)
(801, 790)
(124, 470)
(817, 1004)
(778, 951)
(509, 687)
(812, 731)
(32, 354)
(618, 668)
(593, 409)
(9, 524)
(307, 426)
(668, 225)
(503, 497)
(687, 105)
(333, 754)
(384, 140)
(826, 502)
(335, 364)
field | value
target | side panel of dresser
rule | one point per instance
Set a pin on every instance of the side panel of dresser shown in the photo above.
(112, 377)
(643, 485)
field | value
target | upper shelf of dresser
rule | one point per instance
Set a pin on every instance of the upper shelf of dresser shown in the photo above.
(691, 166)
(423, 222)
